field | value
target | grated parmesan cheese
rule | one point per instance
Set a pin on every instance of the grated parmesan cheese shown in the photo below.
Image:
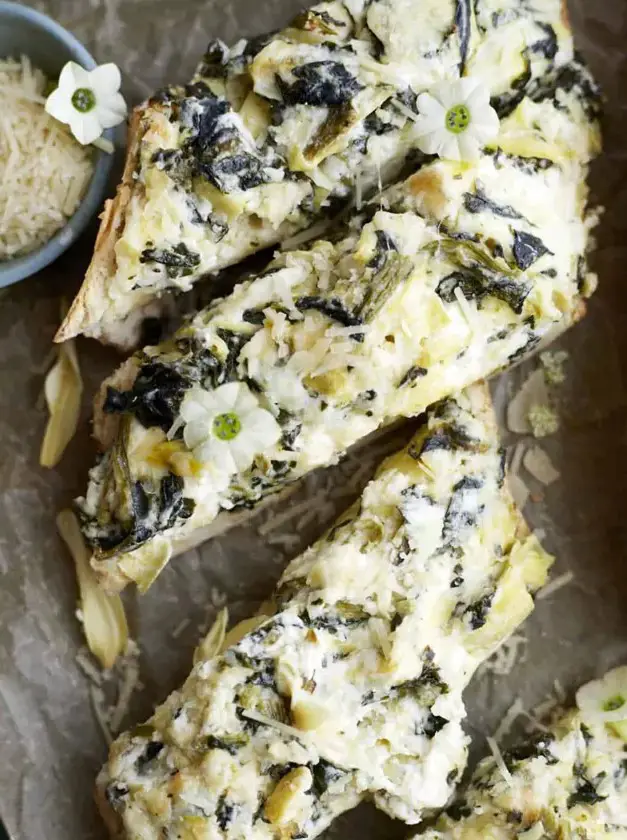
(555, 584)
(500, 763)
(44, 171)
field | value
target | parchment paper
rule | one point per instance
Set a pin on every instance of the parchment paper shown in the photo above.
(51, 745)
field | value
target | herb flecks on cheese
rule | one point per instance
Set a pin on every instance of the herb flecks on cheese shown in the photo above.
(353, 689)
(281, 131)
(446, 278)
(569, 781)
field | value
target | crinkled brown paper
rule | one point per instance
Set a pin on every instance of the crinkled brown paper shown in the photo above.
(51, 745)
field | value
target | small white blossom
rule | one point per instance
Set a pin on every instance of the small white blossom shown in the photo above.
(226, 428)
(456, 121)
(605, 700)
(88, 101)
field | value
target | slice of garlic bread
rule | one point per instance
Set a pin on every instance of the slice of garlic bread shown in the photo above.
(353, 688)
(568, 781)
(278, 133)
(450, 276)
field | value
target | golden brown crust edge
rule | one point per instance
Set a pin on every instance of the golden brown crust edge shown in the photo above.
(109, 816)
(90, 301)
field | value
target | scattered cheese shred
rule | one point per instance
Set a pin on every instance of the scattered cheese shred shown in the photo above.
(44, 171)
(494, 749)
(555, 584)
(506, 656)
(314, 232)
(291, 731)
(509, 719)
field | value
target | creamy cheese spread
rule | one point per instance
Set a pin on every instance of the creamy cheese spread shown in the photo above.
(570, 781)
(448, 277)
(281, 131)
(353, 688)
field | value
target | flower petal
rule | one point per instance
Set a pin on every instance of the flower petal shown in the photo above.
(72, 76)
(430, 107)
(111, 111)
(449, 147)
(427, 123)
(216, 453)
(468, 146)
(246, 401)
(448, 94)
(226, 396)
(85, 127)
(485, 123)
(430, 143)
(262, 427)
(196, 432)
(243, 450)
(59, 106)
(105, 80)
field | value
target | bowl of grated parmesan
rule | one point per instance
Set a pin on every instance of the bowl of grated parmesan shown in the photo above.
(50, 185)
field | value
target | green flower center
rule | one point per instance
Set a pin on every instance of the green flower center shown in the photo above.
(226, 426)
(457, 119)
(614, 703)
(83, 100)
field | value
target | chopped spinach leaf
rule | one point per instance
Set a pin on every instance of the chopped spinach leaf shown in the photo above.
(151, 751)
(479, 202)
(324, 774)
(584, 794)
(412, 374)
(536, 747)
(333, 308)
(506, 103)
(547, 46)
(228, 743)
(115, 794)
(179, 261)
(224, 812)
(478, 612)
(527, 249)
(463, 508)
(463, 18)
(384, 245)
(449, 438)
(319, 83)
(155, 397)
(433, 724)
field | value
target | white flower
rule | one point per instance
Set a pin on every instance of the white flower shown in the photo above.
(88, 101)
(226, 428)
(457, 121)
(605, 700)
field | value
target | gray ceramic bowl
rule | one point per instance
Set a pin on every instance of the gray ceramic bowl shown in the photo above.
(26, 31)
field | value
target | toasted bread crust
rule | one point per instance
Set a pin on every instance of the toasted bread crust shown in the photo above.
(91, 301)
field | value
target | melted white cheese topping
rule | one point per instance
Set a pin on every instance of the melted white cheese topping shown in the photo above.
(354, 687)
(568, 782)
(270, 136)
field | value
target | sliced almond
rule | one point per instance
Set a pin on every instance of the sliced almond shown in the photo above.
(213, 642)
(104, 620)
(287, 801)
(63, 390)
(540, 466)
(533, 392)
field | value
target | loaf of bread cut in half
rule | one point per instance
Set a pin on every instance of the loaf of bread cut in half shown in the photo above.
(451, 275)
(569, 781)
(277, 134)
(352, 688)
